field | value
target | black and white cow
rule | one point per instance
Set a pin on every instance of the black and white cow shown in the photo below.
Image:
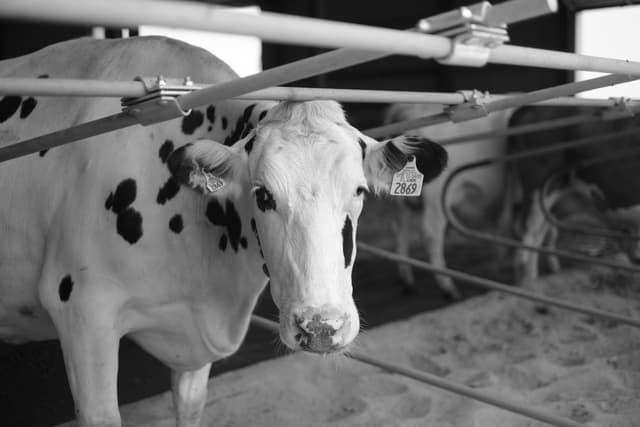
(603, 196)
(169, 233)
(476, 196)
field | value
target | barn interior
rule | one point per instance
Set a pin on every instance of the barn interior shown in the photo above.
(35, 372)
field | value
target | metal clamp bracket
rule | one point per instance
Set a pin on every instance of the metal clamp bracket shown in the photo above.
(478, 28)
(472, 38)
(622, 107)
(160, 101)
(475, 106)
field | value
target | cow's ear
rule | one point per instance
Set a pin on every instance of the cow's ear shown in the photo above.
(383, 159)
(206, 166)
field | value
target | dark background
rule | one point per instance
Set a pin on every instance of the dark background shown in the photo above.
(34, 390)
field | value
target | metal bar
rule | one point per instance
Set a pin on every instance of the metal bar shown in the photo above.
(268, 26)
(499, 287)
(519, 130)
(290, 30)
(70, 87)
(435, 381)
(479, 235)
(65, 136)
(503, 103)
(133, 89)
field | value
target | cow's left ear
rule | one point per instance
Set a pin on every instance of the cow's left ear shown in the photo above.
(206, 166)
(383, 159)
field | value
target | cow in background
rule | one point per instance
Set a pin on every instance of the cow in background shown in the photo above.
(602, 196)
(476, 196)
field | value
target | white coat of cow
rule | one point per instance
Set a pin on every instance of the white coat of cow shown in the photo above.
(472, 194)
(130, 233)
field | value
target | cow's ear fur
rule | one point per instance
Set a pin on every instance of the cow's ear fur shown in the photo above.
(206, 166)
(383, 159)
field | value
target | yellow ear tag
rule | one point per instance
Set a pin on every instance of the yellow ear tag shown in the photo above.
(212, 182)
(408, 181)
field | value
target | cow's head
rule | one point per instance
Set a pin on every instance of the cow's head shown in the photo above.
(306, 171)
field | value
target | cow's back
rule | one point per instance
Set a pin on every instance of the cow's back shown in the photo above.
(89, 207)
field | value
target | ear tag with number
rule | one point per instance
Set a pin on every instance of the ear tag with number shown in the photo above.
(408, 181)
(212, 182)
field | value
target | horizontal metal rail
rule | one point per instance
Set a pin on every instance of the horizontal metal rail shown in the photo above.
(291, 30)
(499, 287)
(23, 86)
(488, 237)
(435, 381)
(505, 103)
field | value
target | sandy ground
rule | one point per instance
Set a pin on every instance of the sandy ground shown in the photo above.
(571, 365)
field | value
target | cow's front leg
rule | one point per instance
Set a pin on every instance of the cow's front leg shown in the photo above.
(189, 395)
(90, 347)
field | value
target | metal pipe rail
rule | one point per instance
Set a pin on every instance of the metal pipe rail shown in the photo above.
(507, 102)
(499, 287)
(22, 86)
(564, 225)
(291, 30)
(435, 381)
(484, 236)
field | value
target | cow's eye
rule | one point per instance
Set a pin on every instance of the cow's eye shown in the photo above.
(264, 199)
(361, 190)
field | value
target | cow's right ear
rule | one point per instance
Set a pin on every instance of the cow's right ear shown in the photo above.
(206, 166)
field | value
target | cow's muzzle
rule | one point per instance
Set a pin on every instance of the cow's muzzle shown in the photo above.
(321, 330)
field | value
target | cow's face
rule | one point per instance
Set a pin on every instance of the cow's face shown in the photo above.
(306, 171)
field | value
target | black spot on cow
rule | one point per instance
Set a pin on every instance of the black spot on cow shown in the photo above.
(225, 123)
(347, 241)
(262, 114)
(249, 145)
(124, 195)
(8, 107)
(65, 288)
(175, 223)
(211, 113)
(254, 228)
(129, 225)
(192, 122)
(243, 242)
(363, 147)
(265, 270)
(226, 217)
(209, 128)
(165, 150)
(168, 191)
(43, 152)
(108, 204)
(265, 199)
(43, 76)
(222, 244)
(27, 311)
(242, 128)
(129, 220)
(28, 105)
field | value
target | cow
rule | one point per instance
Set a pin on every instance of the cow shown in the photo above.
(168, 233)
(591, 197)
(476, 195)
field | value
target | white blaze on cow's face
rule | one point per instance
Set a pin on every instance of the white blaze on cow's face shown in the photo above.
(308, 181)
(306, 170)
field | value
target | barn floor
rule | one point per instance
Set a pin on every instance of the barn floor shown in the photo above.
(35, 392)
(561, 363)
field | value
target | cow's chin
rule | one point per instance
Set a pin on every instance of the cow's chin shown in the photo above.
(317, 333)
